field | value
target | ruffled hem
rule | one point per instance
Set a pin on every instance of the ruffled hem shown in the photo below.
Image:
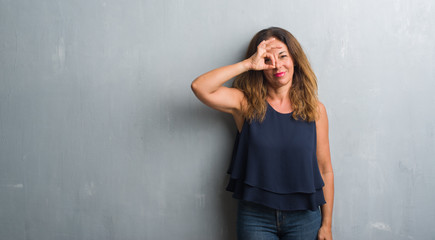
(290, 201)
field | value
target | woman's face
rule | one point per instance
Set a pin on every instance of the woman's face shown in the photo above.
(282, 74)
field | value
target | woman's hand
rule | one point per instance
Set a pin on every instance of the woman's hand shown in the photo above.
(263, 59)
(324, 233)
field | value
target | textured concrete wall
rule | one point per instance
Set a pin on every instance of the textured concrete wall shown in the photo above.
(101, 137)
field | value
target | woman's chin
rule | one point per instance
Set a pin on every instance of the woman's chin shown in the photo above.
(279, 82)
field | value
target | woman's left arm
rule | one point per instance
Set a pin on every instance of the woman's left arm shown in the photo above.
(325, 167)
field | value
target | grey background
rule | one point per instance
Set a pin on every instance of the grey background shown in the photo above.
(102, 138)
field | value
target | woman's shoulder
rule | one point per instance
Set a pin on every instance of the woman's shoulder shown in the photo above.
(322, 115)
(320, 106)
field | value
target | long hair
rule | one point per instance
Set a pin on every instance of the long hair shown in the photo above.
(303, 91)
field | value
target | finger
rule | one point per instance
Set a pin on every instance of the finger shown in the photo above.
(262, 44)
(272, 59)
(268, 66)
(272, 62)
(261, 50)
(271, 47)
(265, 43)
(270, 40)
(265, 57)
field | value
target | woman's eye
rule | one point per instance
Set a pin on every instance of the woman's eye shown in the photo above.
(266, 60)
(283, 56)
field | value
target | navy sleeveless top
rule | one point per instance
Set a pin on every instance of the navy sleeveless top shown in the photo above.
(274, 163)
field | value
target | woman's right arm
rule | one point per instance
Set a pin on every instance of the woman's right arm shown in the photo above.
(210, 90)
(209, 86)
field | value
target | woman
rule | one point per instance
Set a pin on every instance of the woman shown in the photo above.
(281, 169)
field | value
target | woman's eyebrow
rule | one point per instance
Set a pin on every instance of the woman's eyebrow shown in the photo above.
(282, 52)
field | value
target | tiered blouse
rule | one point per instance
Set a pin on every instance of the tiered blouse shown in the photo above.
(274, 163)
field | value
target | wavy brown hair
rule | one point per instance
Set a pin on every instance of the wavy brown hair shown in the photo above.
(303, 91)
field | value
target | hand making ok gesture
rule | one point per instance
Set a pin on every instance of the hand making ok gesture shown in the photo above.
(264, 59)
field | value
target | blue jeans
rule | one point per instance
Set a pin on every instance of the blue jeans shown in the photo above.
(257, 222)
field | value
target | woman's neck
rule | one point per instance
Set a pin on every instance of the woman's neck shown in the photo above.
(279, 99)
(279, 95)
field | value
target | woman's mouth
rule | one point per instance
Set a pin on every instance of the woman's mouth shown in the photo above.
(280, 74)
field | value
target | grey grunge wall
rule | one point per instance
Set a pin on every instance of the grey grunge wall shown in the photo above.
(102, 138)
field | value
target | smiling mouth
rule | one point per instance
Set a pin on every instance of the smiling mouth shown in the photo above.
(280, 74)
